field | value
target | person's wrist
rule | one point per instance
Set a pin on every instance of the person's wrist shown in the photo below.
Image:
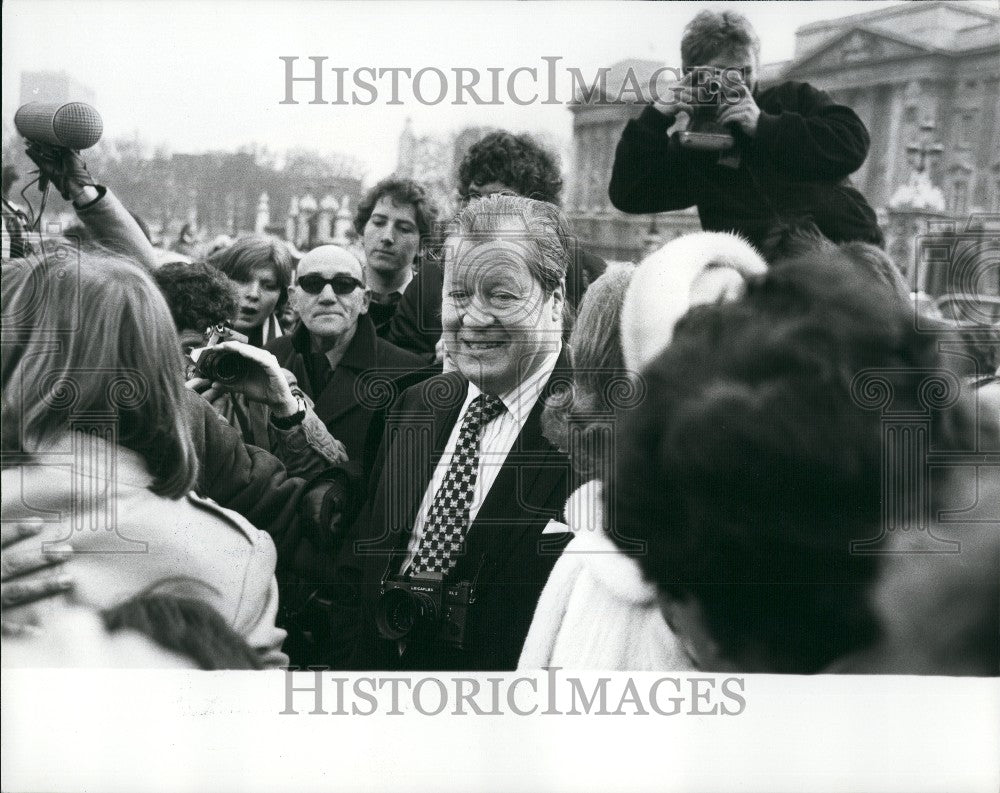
(85, 194)
(293, 419)
(666, 109)
(287, 406)
(767, 126)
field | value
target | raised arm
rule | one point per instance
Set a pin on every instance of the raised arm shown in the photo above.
(96, 206)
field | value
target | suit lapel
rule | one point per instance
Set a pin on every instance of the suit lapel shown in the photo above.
(414, 452)
(517, 501)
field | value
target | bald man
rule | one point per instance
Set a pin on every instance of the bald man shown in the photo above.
(335, 345)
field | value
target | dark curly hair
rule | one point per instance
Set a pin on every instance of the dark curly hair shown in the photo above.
(755, 459)
(518, 161)
(404, 192)
(198, 294)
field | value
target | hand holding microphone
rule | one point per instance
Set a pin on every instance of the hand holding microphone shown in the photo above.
(56, 132)
(64, 168)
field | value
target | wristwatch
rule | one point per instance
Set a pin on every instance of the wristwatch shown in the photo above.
(287, 422)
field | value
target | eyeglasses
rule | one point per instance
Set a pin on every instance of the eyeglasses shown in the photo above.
(341, 284)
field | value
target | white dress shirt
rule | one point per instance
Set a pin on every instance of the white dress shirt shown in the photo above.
(497, 439)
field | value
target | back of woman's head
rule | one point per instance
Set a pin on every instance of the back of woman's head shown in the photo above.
(88, 333)
(600, 379)
(755, 460)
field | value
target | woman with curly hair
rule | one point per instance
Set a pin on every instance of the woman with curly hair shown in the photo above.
(506, 163)
(199, 296)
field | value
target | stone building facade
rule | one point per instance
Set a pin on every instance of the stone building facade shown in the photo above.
(597, 126)
(898, 67)
(903, 66)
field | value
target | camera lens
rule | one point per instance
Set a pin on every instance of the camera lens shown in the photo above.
(223, 366)
(231, 367)
(401, 612)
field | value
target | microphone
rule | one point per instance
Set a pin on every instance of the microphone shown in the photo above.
(68, 125)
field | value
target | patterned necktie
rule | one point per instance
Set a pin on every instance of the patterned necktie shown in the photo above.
(448, 517)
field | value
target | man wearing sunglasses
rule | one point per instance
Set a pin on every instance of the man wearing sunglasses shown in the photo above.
(336, 345)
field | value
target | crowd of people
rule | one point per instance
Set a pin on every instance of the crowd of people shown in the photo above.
(468, 443)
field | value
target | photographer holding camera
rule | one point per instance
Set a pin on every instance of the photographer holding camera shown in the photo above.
(786, 165)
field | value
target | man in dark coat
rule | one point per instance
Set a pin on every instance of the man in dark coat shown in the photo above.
(395, 220)
(465, 490)
(793, 149)
(335, 355)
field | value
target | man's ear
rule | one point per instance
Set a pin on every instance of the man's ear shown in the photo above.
(366, 301)
(293, 296)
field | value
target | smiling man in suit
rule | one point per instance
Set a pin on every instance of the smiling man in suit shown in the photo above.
(460, 532)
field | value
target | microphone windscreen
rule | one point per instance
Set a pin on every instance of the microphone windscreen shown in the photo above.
(71, 125)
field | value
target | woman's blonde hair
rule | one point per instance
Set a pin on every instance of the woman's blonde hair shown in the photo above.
(89, 334)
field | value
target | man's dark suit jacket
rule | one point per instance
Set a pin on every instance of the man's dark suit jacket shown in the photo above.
(505, 541)
(356, 389)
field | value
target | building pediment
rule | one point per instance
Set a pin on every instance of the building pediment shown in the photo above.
(858, 47)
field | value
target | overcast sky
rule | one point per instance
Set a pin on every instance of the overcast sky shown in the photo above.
(206, 74)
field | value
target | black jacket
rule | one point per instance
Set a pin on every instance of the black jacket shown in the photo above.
(506, 537)
(792, 172)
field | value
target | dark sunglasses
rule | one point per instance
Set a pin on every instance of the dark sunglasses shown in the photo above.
(341, 284)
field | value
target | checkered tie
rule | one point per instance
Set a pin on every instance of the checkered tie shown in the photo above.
(448, 518)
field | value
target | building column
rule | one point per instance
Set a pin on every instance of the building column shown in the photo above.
(893, 146)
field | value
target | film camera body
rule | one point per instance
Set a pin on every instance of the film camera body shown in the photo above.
(221, 366)
(712, 89)
(427, 608)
